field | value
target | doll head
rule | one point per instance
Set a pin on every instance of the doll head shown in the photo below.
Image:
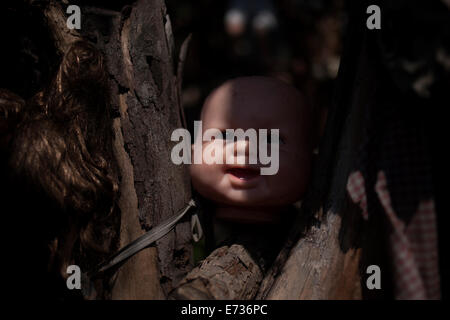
(242, 193)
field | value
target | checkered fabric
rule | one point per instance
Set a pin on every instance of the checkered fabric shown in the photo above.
(357, 191)
(413, 246)
(394, 121)
(392, 176)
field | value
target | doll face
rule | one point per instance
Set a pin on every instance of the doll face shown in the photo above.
(258, 103)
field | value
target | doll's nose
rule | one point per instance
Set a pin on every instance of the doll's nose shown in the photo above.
(240, 152)
(241, 148)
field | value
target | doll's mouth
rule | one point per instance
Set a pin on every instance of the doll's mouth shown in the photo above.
(244, 174)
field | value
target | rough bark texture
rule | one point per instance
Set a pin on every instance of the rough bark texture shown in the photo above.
(140, 57)
(139, 51)
(317, 267)
(228, 273)
(323, 257)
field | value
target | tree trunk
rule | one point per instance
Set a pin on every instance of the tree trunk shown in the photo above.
(228, 273)
(327, 250)
(144, 81)
(140, 55)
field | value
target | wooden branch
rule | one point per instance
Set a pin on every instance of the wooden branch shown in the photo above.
(317, 268)
(323, 257)
(139, 277)
(144, 92)
(180, 70)
(228, 273)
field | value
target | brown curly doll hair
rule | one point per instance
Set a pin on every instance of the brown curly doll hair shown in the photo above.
(60, 154)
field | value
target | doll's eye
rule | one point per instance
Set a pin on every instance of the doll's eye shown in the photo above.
(218, 137)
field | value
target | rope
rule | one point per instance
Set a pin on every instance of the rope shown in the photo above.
(145, 240)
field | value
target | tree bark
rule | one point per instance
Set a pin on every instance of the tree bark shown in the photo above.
(228, 273)
(326, 252)
(138, 47)
(140, 55)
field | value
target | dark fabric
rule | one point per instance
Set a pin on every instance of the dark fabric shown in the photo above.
(394, 174)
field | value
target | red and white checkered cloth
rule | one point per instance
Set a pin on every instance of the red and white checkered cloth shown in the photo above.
(413, 246)
(357, 191)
